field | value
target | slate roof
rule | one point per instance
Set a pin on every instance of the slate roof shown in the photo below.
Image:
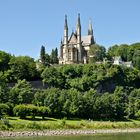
(87, 40)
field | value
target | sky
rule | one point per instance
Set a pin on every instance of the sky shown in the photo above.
(26, 25)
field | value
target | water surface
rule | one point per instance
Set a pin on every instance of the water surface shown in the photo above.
(124, 136)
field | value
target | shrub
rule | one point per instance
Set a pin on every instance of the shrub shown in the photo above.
(21, 111)
(43, 111)
(4, 108)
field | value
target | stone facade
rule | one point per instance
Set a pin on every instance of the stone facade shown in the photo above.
(75, 49)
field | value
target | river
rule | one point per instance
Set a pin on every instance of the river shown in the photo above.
(123, 136)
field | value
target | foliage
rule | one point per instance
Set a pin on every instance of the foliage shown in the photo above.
(54, 56)
(4, 108)
(127, 53)
(4, 90)
(43, 111)
(21, 111)
(22, 67)
(24, 110)
(42, 54)
(44, 57)
(52, 77)
(97, 53)
(95, 91)
(21, 93)
(4, 60)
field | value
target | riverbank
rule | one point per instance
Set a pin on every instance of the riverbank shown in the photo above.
(17, 124)
(64, 132)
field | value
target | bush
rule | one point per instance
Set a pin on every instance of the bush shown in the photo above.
(21, 111)
(43, 111)
(4, 108)
(24, 110)
(33, 110)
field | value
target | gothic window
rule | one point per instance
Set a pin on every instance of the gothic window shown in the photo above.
(73, 54)
(69, 54)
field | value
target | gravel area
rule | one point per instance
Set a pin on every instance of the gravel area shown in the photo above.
(64, 132)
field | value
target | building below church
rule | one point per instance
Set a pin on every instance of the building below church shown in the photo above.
(75, 49)
(118, 61)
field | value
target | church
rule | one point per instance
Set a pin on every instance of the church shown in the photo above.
(75, 49)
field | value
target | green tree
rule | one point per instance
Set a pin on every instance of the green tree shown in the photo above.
(97, 53)
(54, 56)
(53, 78)
(136, 59)
(39, 98)
(21, 93)
(21, 111)
(47, 57)
(43, 111)
(119, 102)
(52, 101)
(23, 67)
(4, 60)
(4, 90)
(42, 54)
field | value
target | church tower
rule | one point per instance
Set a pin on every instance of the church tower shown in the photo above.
(78, 31)
(90, 30)
(65, 54)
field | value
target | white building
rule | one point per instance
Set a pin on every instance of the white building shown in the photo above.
(118, 61)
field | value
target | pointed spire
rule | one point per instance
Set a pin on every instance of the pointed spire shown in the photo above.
(66, 24)
(61, 42)
(90, 30)
(78, 21)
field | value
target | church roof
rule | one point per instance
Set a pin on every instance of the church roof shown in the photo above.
(87, 40)
(73, 38)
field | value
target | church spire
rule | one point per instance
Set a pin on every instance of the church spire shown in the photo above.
(66, 24)
(65, 31)
(78, 22)
(90, 29)
(79, 47)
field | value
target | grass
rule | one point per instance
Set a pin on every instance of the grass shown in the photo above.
(51, 123)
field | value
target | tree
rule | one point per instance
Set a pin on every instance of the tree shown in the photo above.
(133, 105)
(47, 57)
(21, 93)
(42, 54)
(117, 50)
(52, 77)
(4, 90)
(4, 60)
(54, 56)
(97, 53)
(23, 67)
(43, 111)
(136, 59)
(120, 99)
(52, 101)
(39, 98)
(21, 111)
